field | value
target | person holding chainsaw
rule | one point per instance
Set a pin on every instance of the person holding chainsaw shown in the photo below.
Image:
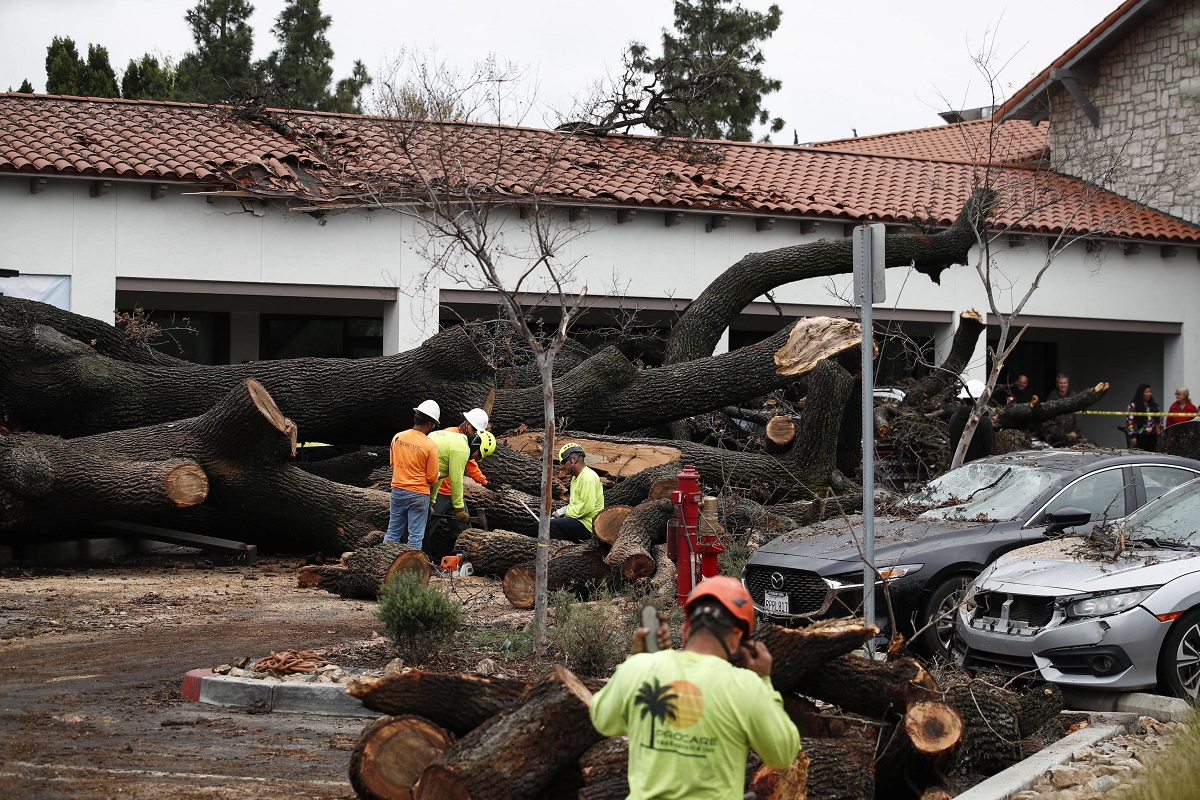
(692, 715)
(414, 460)
(473, 426)
(573, 522)
(454, 451)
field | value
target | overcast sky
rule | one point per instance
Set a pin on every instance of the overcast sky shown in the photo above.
(870, 66)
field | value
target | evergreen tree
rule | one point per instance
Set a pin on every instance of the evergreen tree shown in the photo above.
(98, 78)
(147, 79)
(63, 66)
(300, 70)
(26, 87)
(708, 82)
(347, 98)
(219, 68)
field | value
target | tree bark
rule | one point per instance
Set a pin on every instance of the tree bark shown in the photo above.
(644, 485)
(645, 526)
(577, 569)
(517, 753)
(458, 703)
(391, 754)
(934, 386)
(51, 383)
(493, 553)
(1026, 415)
(360, 574)
(664, 584)
(696, 332)
(840, 769)
(605, 760)
(790, 783)
(876, 689)
(1183, 439)
(796, 652)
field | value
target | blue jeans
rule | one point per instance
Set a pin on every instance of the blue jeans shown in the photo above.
(409, 511)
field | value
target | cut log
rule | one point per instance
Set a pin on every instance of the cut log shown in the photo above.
(933, 729)
(503, 507)
(610, 789)
(353, 469)
(790, 783)
(645, 526)
(1039, 705)
(605, 760)
(655, 483)
(493, 553)
(1182, 439)
(607, 524)
(780, 433)
(516, 754)
(877, 689)
(391, 754)
(605, 458)
(841, 769)
(578, 569)
(458, 703)
(991, 724)
(361, 573)
(797, 652)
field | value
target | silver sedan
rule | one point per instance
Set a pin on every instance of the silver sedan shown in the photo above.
(1119, 610)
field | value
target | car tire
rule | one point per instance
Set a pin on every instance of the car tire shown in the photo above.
(934, 641)
(1179, 659)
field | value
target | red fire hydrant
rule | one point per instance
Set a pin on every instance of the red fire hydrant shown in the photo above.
(694, 551)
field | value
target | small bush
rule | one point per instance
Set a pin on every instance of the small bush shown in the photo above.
(588, 635)
(419, 619)
(733, 559)
(502, 643)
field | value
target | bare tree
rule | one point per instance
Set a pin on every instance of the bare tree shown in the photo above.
(482, 194)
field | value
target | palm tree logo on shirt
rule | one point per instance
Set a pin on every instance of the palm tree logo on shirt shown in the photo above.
(657, 702)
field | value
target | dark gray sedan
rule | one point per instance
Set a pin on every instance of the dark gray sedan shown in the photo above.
(947, 532)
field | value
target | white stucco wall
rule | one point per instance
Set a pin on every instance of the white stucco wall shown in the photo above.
(99, 241)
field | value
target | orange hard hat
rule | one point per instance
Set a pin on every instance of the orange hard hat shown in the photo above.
(732, 596)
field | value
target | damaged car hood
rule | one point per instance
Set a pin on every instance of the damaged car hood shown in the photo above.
(1069, 566)
(839, 540)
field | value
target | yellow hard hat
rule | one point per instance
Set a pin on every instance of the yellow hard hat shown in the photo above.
(567, 449)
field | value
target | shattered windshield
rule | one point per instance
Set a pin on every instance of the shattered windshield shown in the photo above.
(983, 492)
(1174, 518)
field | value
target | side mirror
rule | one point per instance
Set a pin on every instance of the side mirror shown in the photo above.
(1066, 517)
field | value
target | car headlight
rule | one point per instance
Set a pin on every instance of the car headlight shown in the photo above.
(1102, 605)
(899, 571)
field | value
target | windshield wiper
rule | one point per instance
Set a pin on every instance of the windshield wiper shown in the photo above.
(1159, 544)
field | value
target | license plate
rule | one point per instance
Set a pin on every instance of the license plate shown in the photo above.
(776, 603)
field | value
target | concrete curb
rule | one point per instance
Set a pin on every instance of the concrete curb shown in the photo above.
(1163, 709)
(330, 699)
(1021, 776)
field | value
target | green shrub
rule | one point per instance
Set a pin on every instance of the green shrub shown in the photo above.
(733, 559)
(501, 642)
(419, 619)
(588, 635)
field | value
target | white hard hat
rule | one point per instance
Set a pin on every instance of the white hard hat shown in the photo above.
(430, 409)
(973, 390)
(478, 418)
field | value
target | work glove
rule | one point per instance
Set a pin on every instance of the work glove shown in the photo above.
(560, 512)
(461, 515)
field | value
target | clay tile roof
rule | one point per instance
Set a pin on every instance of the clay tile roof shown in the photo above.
(312, 159)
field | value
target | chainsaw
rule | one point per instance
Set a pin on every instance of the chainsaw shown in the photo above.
(457, 565)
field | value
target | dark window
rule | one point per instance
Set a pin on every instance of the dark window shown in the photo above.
(201, 337)
(308, 335)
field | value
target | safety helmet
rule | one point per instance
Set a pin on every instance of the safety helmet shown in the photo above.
(567, 449)
(731, 595)
(478, 419)
(484, 442)
(431, 409)
(972, 390)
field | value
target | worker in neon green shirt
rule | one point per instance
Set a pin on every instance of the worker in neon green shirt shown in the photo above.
(454, 451)
(573, 522)
(691, 715)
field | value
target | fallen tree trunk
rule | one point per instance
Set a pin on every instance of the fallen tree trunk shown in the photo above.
(458, 703)
(1026, 415)
(517, 754)
(506, 508)
(875, 689)
(939, 382)
(644, 526)
(577, 569)
(797, 652)
(361, 574)
(51, 487)
(391, 754)
(699, 328)
(653, 483)
(493, 553)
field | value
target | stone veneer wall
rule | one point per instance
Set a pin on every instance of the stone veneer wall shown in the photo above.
(1148, 97)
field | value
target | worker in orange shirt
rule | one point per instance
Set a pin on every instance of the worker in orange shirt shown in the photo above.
(414, 459)
(474, 424)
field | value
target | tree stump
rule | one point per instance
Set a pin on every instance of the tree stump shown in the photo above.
(360, 574)
(391, 754)
(516, 754)
(458, 703)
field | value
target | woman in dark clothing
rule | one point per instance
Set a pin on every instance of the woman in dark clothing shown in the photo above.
(1145, 420)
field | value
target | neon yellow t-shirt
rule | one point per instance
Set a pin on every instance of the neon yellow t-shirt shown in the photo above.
(690, 719)
(587, 497)
(453, 454)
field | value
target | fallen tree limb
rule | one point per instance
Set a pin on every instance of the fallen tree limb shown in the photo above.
(577, 569)
(458, 703)
(361, 573)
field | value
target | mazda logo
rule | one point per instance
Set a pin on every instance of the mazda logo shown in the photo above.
(776, 580)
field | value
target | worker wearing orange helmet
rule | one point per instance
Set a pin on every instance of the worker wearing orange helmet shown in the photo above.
(691, 715)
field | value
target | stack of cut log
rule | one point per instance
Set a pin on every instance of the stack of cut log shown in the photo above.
(867, 728)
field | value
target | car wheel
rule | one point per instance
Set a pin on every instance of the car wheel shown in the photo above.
(1179, 659)
(938, 615)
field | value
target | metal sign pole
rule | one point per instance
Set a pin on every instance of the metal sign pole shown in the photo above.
(869, 270)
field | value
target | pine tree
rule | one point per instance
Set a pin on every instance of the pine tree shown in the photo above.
(347, 98)
(147, 79)
(219, 68)
(300, 70)
(98, 78)
(708, 81)
(26, 87)
(63, 66)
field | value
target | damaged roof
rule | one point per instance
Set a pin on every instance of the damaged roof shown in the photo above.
(315, 160)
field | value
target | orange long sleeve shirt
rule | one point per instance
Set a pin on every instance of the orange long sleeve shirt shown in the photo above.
(414, 460)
